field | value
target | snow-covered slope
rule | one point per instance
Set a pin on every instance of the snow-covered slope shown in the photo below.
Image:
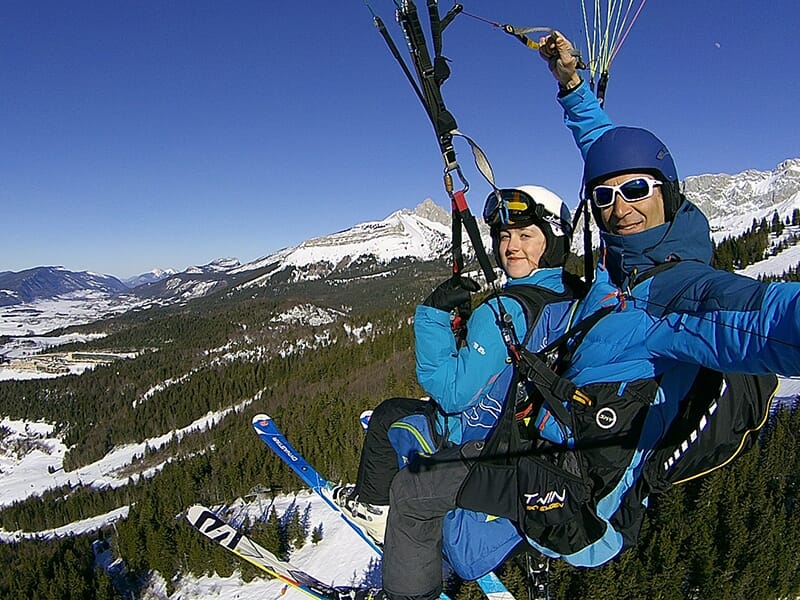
(149, 277)
(422, 234)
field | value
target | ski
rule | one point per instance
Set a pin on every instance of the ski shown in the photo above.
(269, 433)
(219, 531)
(273, 437)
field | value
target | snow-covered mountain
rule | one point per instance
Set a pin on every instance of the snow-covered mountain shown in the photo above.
(47, 282)
(731, 202)
(149, 277)
(421, 235)
(367, 249)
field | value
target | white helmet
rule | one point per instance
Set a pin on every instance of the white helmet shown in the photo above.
(531, 205)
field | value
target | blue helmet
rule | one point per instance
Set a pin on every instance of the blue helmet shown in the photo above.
(632, 150)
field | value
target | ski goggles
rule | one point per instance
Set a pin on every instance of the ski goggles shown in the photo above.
(506, 207)
(633, 190)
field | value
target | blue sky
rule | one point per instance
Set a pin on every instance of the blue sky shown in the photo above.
(144, 134)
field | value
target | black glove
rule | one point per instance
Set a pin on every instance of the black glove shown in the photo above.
(452, 293)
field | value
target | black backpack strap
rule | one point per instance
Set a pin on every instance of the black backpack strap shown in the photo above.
(533, 300)
(538, 367)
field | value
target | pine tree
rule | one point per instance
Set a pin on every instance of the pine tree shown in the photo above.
(317, 534)
(305, 521)
(269, 534)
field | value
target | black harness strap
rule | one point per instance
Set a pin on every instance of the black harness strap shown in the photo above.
(538, 368)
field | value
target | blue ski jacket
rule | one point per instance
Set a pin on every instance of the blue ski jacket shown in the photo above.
(458, 379)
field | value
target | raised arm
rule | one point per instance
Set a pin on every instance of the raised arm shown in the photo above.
(582, 112)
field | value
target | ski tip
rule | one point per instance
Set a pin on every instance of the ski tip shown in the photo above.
(364, 419)
(261, 420)
(194, 511)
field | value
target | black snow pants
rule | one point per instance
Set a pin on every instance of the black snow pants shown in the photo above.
(378, 464)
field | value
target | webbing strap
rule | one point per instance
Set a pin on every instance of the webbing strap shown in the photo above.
(429, 79)
(536, 367)
(471, 225)
(553, 388)
(458, 255)
(436, 28)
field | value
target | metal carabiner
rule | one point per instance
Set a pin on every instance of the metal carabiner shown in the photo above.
(448, 180)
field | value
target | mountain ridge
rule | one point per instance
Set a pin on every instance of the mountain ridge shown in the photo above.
(46, 282)
(731, 203)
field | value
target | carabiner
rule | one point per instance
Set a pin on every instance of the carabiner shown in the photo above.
(448, 180)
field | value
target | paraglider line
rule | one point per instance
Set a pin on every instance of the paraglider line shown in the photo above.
(627, 31)
(492, 23)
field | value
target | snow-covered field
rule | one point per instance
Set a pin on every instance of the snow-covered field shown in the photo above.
(777, 265)
(27, 326)
(37, 318)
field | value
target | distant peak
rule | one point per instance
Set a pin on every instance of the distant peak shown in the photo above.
(428, 209)
(789, 163)
(226, 261)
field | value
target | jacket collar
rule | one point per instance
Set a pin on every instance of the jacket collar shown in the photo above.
(550, 278)
(686, 237)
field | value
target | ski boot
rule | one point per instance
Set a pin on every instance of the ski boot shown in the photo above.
(371, 518)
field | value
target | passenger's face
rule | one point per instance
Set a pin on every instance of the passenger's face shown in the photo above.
(521, 250)
(623, 217)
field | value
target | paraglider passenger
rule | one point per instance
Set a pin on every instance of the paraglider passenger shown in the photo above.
(531, 235)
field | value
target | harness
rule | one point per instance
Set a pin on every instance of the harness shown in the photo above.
(538, 466)
(542, 369)
(558, 452)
